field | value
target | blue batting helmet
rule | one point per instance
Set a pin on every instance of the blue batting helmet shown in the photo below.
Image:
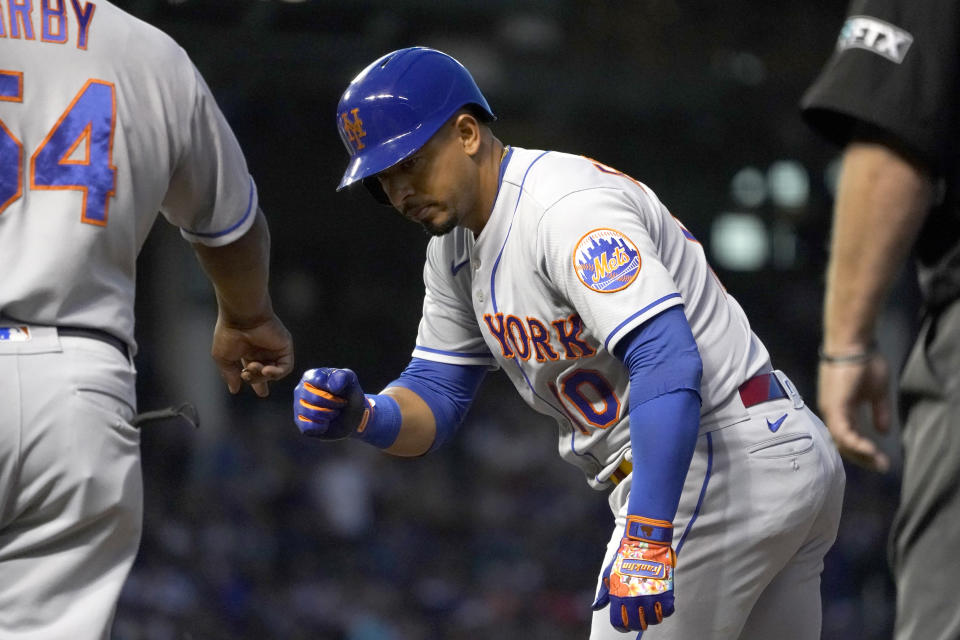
(397, 103)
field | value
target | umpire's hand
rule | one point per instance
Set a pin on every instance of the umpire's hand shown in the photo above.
(843, 390)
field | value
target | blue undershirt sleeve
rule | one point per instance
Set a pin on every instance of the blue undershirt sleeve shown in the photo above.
(665, 369)
(448, 389)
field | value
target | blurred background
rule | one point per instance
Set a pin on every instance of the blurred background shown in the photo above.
(252, 531)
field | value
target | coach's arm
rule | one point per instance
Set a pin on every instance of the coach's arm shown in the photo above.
(250, 343)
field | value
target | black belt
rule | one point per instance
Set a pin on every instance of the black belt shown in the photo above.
(95, 334)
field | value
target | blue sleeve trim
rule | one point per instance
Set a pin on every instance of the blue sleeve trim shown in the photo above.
(217, 234)
(448, 389)
(606, 343)
(454, 354)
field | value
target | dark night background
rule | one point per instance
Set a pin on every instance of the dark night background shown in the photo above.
(251, 530)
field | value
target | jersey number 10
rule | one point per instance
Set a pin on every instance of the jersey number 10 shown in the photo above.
(75, 154)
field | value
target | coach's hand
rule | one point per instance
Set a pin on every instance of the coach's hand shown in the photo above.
(638, 583)
(255, 352)
(329, 403)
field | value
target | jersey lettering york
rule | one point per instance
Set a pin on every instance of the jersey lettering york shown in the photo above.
(532, 338)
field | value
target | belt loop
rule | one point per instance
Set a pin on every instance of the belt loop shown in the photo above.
(790, 389)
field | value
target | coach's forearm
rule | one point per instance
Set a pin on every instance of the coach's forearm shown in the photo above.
(240, 272)
(417, 428)
(882, 201)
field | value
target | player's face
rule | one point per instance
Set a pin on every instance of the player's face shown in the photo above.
(436, 186)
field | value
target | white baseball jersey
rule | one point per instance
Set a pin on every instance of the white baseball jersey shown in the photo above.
(575, 255)
(104, 121)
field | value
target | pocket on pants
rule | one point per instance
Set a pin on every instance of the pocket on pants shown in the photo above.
(110, 403)
(782, 446)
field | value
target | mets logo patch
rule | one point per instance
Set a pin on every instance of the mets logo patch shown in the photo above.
(606, 260)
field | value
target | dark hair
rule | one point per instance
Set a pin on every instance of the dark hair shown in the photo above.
(479, 113)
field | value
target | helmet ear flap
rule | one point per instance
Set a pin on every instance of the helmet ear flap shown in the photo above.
(373, 186)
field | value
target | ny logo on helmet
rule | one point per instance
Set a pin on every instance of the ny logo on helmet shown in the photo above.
(353, 130)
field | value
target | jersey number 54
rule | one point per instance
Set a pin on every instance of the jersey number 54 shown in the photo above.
(75, 154)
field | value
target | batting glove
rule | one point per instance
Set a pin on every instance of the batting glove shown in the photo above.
(638, 584)
(329, 404)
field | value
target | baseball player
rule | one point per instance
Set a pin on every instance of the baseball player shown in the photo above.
(599, 305)
(104, 121)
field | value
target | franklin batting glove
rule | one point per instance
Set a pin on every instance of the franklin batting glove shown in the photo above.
(638, 584)
(329, 404)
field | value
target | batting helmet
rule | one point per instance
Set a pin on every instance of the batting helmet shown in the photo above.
(396, 104)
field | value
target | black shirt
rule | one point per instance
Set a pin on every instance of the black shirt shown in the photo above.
(894, 77)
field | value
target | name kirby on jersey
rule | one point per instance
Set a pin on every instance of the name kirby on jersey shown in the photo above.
(53, 24)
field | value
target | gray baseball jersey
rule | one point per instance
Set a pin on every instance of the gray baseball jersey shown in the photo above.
(575, 255)
(104, 122)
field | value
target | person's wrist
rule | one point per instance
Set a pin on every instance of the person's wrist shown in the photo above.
(853, 354)
(380, 423)
(649, 530)
(245, 316)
